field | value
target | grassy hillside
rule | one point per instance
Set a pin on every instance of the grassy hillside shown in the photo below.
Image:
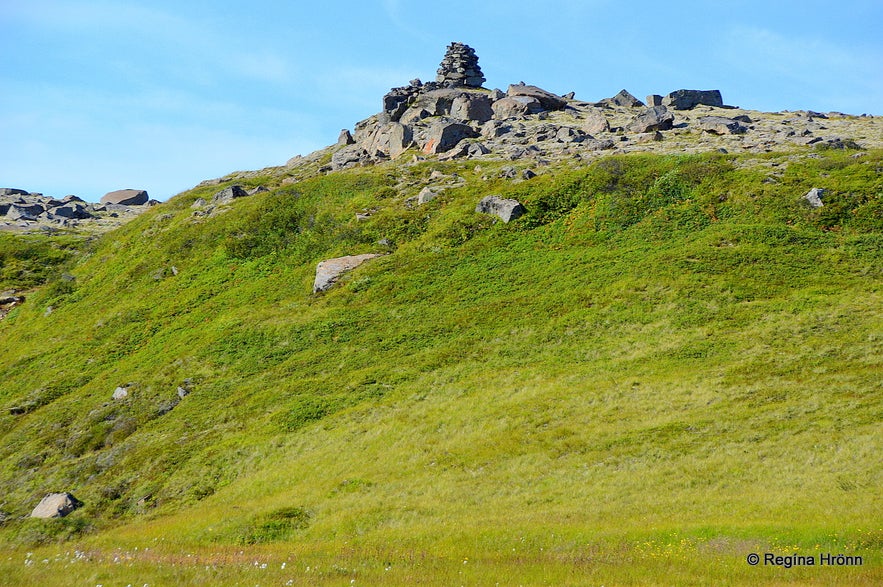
(667, 364)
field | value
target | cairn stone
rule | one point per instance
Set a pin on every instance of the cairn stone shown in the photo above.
(460, 67)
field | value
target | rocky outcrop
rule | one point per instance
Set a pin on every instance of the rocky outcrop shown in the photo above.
(330, 270)
(126, 197)
(687, 99)
(506, 209)
(56, 505)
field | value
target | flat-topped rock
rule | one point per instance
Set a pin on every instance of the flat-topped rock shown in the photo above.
(330, 270)
(687, 99)
(56, 505)
(126, 197)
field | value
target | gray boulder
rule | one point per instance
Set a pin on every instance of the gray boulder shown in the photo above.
(72, 210)
(349, 156)
(814, 197)
(389, 140)
(444, 135)
(24, 211)
(126, 197)
(227, 195)
(330, 270)
(345, 138)
(548, 100)
(687, 99)
(506, 209)
(595, 122)
(472, 106)
(720, 125)
(654, 100)
(652, 119)
(13, 192)
(426, 195)
(516, 106)
(56, 505)
(624, 99)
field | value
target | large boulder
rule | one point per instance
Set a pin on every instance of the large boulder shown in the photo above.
(20, 211)
(506, 209)
(687, 99)
(13, 192)
(652, 119)
(56, 505)
(814, 197)
(330, 270)
(720, 125)
(389, 140)
(349, 156)
(228, 194)
(595, 122)
(72, 210)
(548, 100)
(445, 134)
(516, 106)
(624, 99)
(472, 106)
(126, 197)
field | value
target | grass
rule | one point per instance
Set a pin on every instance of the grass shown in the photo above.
(667, 364)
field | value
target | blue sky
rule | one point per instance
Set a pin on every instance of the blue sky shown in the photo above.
(98, 95)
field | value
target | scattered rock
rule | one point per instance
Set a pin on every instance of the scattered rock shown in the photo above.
(515, 107)
(330, 270)
(547, 100)
(227, 195)
(121, 392)
(349, 156)
(595, 122)
(56, 505)
(506, 209)
(426, 195)
(126, 197)
(654, 100)
(624, 99)
(687, 99)
(652, 119)
(814, 197)
(720, 125)
(24, 211)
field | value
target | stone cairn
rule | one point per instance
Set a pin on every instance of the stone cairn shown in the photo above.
(460, 67)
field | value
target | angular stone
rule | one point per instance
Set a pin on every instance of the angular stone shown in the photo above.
(516, 106)
(345, 138)
(227, 195)
(548, 100)
(814, 197)
(506, 209)
(720, 125)
(56, 505)
(654, 100)
(625, 99)
(24, 211)
(349, 156)
(687, 99)
(472, 107)
(330, 270)
(595, 122)
(126, 197)
(426, 195)
(652, 119)
(73, 210)
(444, 135)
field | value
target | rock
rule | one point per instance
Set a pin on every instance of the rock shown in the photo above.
(389, 140)
(349, 156)
(459, 67)
(121, 392)
(528, 174)
(654, 100)
(472, 106)
(126, 197)
(345, 138)
(652, 119)
(426, 195)
(506, 209)
(13, 192)
(182, 392)
(647, 137)
(73, 210)
(687, 99)
(595, 122)
(227, 195)
(56, 505)
(24, 211)
(624, 99)
(328, 271)
(445, 134)
(516, 106)
(547, 100)
(720, 125)
(814, 197)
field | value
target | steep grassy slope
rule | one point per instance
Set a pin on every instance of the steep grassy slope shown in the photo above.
(667, 364)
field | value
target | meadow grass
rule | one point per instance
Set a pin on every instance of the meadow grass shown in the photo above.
(668, 364)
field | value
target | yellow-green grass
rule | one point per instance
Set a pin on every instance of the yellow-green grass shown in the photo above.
(667, 365)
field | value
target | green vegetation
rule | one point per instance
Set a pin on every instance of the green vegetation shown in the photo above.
(668, 363)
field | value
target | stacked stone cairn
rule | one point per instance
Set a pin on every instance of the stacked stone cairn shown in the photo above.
(460, 68)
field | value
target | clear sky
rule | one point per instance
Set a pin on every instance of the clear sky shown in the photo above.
(98, 95)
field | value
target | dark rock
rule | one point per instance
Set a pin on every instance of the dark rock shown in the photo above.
(547, 100)
(227, 195)
(73, 210)
(12, 192)
(56, 505)
(720, 125)
(506, 209)
(652, 119)
(24, 211)
(125, 197)
(654, 100)
(625, 99)
(687, 99)
(345, 138)
(330, 270)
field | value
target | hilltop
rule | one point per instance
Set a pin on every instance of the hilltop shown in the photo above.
(666, 360)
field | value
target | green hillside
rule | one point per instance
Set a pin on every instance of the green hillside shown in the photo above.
(668, 363)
